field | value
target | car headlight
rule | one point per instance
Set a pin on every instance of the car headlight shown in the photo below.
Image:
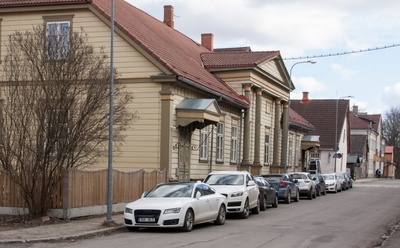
(128, 210)
(236, 194)
(172, 211)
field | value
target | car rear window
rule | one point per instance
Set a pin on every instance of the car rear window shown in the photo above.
(299, 176)
(272, 178)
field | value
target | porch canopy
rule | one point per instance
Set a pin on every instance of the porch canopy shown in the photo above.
(205, 111)
(310, 141)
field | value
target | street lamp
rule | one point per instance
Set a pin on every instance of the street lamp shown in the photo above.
(286, 139)
(336, 148)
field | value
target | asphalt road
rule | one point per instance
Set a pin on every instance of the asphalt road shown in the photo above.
(358, 217)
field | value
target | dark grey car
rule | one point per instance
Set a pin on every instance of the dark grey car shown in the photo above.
(319, 184)
(284, 185)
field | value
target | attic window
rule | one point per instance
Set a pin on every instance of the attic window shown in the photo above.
(58, 30)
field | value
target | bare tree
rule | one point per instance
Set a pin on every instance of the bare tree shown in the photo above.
(391, 130)
(55, 111)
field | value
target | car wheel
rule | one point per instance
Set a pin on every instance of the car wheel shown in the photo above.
(256, 209)
(221, 215)
(318, 192)
(288, 198)
(263, 204)
(297, 199)
(335, 190)
(188, 223)
(310, 195)
(246, 210)
(324, 192)
(275, 204)
(315, 193)
(132, 228)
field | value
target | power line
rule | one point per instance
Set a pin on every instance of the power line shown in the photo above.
(343, 53)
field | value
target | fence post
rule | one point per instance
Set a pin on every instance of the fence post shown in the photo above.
(66, 192)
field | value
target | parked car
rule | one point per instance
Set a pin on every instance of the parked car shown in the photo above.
(176, 205)
(349, 179)
(268, 195)
(332, 183)
(343, 181)
(305, 183)
(240, 189)
(285, 186)
(319, 184)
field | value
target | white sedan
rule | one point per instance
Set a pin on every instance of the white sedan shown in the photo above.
(176, 205)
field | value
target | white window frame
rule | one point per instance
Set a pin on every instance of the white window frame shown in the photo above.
(62, 30)
(203, 148)
(266, 149)
(234, 138)
(220, 142)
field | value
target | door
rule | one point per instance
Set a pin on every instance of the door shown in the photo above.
(185, 136)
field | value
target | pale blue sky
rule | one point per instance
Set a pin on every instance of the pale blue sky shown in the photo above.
(299, 28)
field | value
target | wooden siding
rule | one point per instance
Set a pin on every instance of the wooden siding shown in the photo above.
(129, 62)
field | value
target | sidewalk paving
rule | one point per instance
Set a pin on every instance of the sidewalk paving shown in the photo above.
(73, 229)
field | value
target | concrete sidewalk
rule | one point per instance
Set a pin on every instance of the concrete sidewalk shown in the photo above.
(73, 229)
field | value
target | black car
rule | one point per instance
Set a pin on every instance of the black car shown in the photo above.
(285, 186)
(268, 195)
(320, 185)
(349, 180)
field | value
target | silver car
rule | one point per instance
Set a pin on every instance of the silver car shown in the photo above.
(305, 183)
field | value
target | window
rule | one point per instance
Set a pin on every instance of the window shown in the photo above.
(234, 144)
(56, 131)
(290, 150)
(58, 35)
(204, 143)
(268, 107)
(266, 149)
(220, 142)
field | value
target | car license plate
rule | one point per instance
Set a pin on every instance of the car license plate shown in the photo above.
(147, 219)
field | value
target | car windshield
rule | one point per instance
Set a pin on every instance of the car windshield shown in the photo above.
(272, 178)
(329, 177)
(171, 190)
(222, 179)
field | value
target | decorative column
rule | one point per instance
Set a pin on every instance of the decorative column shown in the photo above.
(285, 135)
(166, 133)
(257, 133)
(277, 134)
(246, 129)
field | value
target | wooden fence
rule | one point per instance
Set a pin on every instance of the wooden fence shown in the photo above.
(88, 188)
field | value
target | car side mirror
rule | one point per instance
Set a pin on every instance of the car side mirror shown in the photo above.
(251, 183)
(198, 195)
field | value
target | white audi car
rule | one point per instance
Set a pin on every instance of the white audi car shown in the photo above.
(176, 205)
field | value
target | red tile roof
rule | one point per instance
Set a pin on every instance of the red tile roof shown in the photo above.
(172, 49)
(357, 123)
(322, 115)
(236, 58)
(374, 119)
(175, 51)
(26, 3)
(297, 120)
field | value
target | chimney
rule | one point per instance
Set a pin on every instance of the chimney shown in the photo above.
(305, 99)
(207, 41)
(355, 109)
(169, 15)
